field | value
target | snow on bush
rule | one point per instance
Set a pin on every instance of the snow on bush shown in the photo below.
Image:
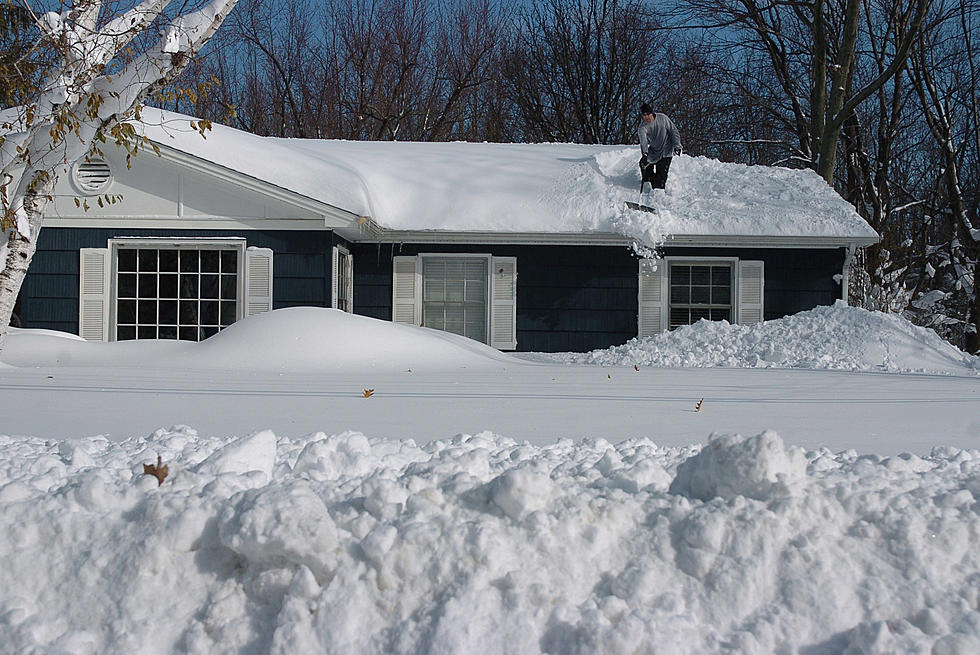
(345, 543)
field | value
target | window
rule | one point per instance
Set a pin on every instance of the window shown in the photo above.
(454, 295)
(471, 295)
(343, 279)
(700, 291)
(185, 291)
(680, 291)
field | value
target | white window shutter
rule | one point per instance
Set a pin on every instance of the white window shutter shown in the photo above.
(503, 303)
(653, 291)
(751, 291)
(258, 281)
(406, 290)
(93, 294)
(334, 277)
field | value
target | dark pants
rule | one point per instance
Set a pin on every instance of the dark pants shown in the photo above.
(656, 173)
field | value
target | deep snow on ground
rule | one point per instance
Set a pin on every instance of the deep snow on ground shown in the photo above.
(836, 338)
(352, 543)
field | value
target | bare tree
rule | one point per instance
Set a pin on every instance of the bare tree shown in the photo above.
(814, 48)
(578, 71)
(97, 82)
(944, 74)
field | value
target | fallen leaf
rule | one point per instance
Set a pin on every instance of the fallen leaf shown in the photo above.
(368, 393)
(159, 470)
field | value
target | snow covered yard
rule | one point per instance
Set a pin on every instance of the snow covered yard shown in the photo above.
(446, 512)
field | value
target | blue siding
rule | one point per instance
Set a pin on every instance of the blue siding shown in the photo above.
(580, 298)
(49, 297)
(569, 298)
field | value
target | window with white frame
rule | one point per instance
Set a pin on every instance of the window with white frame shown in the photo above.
(191, 288)
(473, 295)
(454, 295)
(186, 291)
(700, 291)
(676, 291)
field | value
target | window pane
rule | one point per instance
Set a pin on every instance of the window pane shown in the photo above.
(188, 286)
(147, 260)
(229, 261)
(721, 296)
(721, 276)
(168, 260)
(454, 290)
(125, 332)
(209, 261)
(127, 285)
(126, 260)
(680, 294)
(188, 312)
(209, 312)
(126, 311)
(680, 275)
(189, 261)
(188, 333)
(434, 290)
(168, 313)
(167, 332)
(148, 285)
(700, 295)
(229, 287)
(146, 310)
(209, 286)
(147, 332)
(228, 312)
(701, 275)
(168, 286)
(207, 331)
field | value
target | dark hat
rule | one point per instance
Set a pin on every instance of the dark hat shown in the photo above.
(645, 108)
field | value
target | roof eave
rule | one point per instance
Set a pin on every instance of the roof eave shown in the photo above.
(371, 232)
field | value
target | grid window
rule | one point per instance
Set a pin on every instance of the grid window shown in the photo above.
(454, 295)
(175, 293)
(700, 291)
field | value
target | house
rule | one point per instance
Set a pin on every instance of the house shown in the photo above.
(523, 246)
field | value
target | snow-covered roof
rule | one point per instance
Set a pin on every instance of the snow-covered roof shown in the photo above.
(526, 188)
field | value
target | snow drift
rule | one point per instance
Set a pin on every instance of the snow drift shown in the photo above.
(837, 337)
(342, 543)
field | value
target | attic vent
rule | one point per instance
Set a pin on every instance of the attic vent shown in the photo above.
(92, 176)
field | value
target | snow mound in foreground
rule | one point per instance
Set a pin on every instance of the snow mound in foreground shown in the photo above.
(293, 339)
(831, 337)
(344, 543)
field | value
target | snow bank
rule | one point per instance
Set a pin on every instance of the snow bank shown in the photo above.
(293, 339)
(344, 543)
(837, 337)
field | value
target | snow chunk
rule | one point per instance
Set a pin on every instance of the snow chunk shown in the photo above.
(518, 492)
(757, 467)
(279, 526)
(256, 452)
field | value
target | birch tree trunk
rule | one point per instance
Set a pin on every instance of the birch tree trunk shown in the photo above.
(95, 86)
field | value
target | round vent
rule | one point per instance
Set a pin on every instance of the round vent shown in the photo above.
(92, 176)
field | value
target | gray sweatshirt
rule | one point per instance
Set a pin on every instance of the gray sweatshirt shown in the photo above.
(660, 138)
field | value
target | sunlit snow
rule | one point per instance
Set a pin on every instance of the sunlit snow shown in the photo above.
(481, 540)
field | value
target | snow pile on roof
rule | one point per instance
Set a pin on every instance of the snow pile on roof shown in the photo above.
(342, 543)
(837, 337)
(539, 188)
(294, 339)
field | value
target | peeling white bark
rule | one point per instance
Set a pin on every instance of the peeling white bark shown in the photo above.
(35, 147)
